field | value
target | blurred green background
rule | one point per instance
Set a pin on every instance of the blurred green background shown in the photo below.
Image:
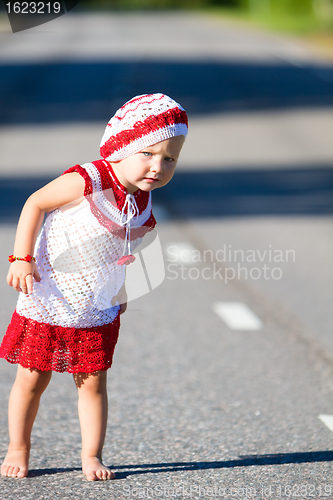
(298, 16)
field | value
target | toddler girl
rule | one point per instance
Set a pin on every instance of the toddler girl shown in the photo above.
(72, 288)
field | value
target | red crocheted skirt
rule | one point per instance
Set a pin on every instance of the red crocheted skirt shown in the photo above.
(45, 347)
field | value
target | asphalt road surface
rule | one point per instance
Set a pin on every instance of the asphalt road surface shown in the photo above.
(222, 380)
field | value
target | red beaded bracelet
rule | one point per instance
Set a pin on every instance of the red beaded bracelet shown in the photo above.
(27, 258)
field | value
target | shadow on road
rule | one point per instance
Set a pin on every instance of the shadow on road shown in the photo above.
(243, 461)
(87, 91)
(244, 192)
(53, 470)
(215, 193)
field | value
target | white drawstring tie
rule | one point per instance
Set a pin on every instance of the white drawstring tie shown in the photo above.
(132, 211)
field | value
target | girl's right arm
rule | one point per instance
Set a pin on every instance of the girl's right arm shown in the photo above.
(63, 190)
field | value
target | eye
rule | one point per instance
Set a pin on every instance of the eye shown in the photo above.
(167, 158)
(146, 153)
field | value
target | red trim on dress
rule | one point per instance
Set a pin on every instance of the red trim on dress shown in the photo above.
(47, 347)
(80, 170)
(110, 181)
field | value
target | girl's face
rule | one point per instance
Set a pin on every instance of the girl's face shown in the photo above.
(151, 168)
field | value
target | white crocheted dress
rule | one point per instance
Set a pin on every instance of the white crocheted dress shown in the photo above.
(71, 320)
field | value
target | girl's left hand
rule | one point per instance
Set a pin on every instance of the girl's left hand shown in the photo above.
(123, 308)
(121, 298)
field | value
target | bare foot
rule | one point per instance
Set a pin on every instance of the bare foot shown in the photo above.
(94, 470)
(15, 463)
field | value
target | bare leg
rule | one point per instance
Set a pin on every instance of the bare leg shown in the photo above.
(22, 410)
(93, 415)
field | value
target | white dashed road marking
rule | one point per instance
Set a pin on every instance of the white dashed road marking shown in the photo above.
(327, 420)
(237, 316)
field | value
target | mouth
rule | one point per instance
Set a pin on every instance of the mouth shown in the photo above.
(151, 179)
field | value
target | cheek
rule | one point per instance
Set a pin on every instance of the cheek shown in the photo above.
(172, 171)
(142, 166)
(136, 170)
(169, 175)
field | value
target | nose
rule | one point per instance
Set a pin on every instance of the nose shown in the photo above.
(157, 165)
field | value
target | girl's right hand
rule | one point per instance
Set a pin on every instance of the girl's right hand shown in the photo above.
(21, 274)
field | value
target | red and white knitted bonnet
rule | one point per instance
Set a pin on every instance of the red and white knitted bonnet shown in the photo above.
(142, 122)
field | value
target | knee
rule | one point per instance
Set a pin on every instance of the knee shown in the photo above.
(34, 381)
(91, 382)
